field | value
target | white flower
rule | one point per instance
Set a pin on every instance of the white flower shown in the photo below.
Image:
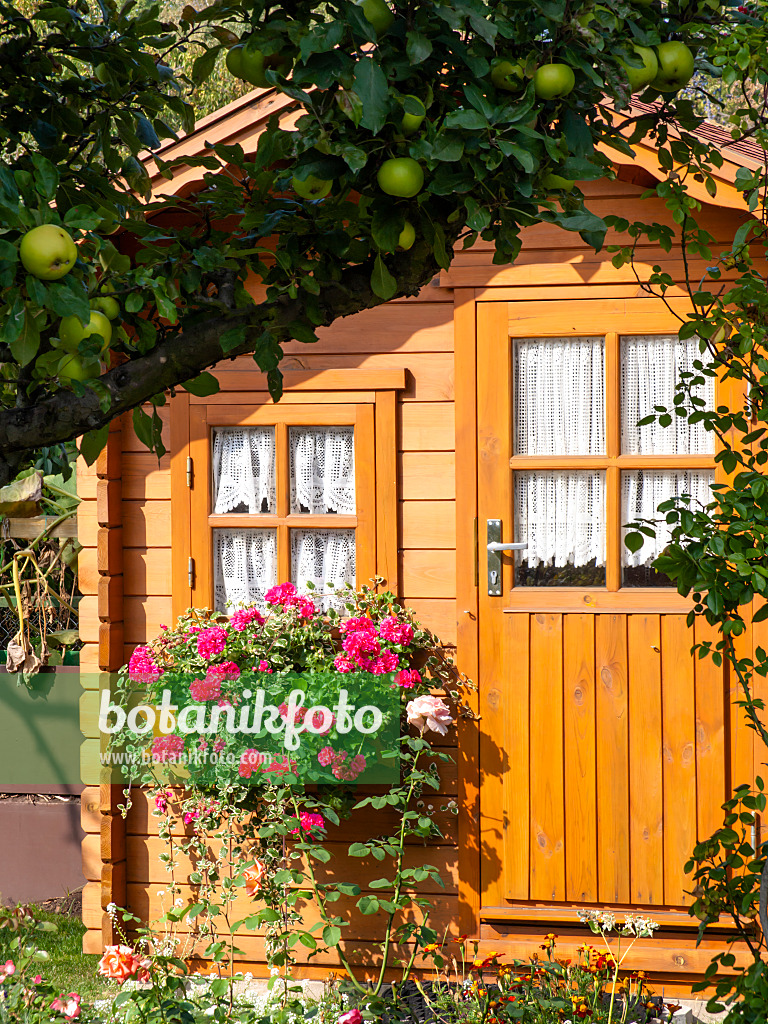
(429, 713)
(112, 909)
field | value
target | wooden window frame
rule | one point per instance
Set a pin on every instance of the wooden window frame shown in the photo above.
(613, 463)
(352, 398)
(611, 320)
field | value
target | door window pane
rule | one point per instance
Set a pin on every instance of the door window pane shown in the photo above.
(559, 396)
(244, 567)
(650, 371)
(325, 558)
(244, 470)
(642, 492)
(561, 515)
(322, 470)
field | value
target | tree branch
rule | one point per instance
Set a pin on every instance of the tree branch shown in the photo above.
(185, 354)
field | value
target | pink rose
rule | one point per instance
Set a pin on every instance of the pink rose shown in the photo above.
(68, 1005)
(429, 713)
(351, 1017)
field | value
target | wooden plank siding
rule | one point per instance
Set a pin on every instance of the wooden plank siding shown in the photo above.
(631, 731)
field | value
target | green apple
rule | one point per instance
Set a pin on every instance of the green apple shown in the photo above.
(675, 66)
(379, 15)
(72, 332)
(311, 187)
(507, 75)
(107, 305)
(407, 236)
(48, 252)
(412, 122)
(72, 367)
(557, 181)
(401, 176)
(234, 60)
(253, 64)
(553, 81)
(638, 78)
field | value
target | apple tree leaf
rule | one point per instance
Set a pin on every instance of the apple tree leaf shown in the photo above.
(418, 47)
(26, 343)
(202, 386)
(93, 444)
(382, 282)
(371, 86)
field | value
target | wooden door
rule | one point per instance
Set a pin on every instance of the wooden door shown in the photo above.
(605, 749)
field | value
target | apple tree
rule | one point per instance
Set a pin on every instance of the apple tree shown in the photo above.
(422, 126)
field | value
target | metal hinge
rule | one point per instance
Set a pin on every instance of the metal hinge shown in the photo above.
(190, 470)
(191, 573)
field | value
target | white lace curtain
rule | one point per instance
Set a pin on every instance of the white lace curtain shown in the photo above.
(244, 567)
(562, 517)
(244, 469)
(325, 558)
(559, 410)
(322, 481)
(559, 396)
(322, 469)
(641, 494)
(651, 368)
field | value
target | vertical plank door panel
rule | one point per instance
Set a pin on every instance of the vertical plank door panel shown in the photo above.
(612, 758)
(711, 722)
(579, 753)
(547, 783)
(679, 745)
(646, 786)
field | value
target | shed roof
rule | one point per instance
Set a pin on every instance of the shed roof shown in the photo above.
(243, 120)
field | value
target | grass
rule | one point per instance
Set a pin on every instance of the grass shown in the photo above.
(69, 968)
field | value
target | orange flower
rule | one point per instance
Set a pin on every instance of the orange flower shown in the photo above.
(253, 877)
(121, 962)
(431, 947)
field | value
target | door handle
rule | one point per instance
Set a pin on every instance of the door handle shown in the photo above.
(494, 547)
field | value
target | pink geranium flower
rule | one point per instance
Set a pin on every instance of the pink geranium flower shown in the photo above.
(396, 632)
(211, 642)
(281, 595)
(205, 689)
(343, 664)
(142, 667)
(224, 670)
(407, 678)
(359, 624)
(167, 748)
(243, 616)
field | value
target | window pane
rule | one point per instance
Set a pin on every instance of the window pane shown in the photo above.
(561, 515)
(559, 396)
(642, 492)
(650, 371)
(244, 469)
(325, 558)
(244, 567)
(322, 469)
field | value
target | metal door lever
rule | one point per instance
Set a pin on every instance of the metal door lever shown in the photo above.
(519, 545)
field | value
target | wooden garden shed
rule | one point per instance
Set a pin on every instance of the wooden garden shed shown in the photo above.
(499, 404)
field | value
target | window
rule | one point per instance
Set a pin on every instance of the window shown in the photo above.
(287, 493)
(582, 467)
